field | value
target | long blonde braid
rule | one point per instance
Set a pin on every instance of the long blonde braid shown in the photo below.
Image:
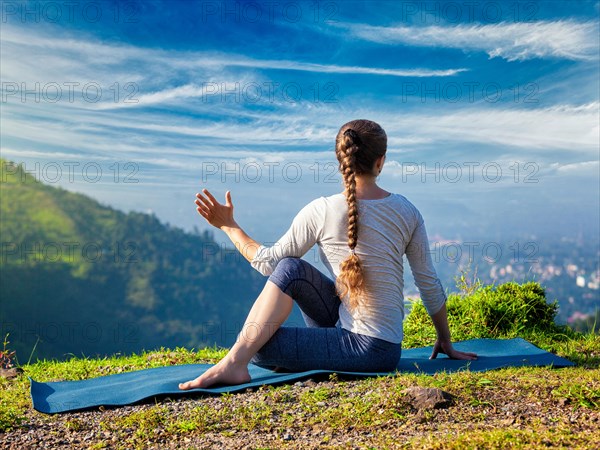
(358, 144)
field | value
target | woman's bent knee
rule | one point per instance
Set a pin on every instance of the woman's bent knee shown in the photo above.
(286, 271)
(289, 264)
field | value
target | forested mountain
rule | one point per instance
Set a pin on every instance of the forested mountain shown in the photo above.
(80, 277)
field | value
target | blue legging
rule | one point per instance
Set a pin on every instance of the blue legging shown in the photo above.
(321, 345)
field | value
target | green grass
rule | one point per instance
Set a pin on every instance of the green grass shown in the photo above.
(365, 407)
(525, 407)
(14, 394)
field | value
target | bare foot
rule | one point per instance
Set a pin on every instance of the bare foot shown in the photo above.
(223, 372)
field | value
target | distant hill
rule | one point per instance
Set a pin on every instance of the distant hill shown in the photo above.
(80, 277)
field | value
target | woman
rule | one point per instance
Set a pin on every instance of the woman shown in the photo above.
(362, 235)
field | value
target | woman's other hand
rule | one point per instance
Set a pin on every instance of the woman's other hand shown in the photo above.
(446, 348)
(215, 213)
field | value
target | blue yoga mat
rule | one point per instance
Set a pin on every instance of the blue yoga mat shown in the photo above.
(131, 387)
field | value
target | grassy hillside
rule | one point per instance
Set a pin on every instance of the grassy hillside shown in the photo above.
(31, 214)
(508, 408)
(79, 277)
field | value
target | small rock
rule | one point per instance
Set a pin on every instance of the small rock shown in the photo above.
(299, 384)
(428, 398)
(287, 437)
(9, 374)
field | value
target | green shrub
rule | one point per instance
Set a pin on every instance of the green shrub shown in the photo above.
(504, 311)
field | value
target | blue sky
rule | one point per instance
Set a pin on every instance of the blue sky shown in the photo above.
(491, 112)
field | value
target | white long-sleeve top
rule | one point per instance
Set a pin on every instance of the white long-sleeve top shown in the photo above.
(388, 229)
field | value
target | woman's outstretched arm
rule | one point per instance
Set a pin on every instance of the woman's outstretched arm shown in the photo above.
(221, 216)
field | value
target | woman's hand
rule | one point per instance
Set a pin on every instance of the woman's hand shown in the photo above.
(443, 343)
(446, 348)
(221, 216)
(215, 213)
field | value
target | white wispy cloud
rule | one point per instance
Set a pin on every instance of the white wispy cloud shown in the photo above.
(512, 41)
(105, 63)
(332, 68)
(559, 127)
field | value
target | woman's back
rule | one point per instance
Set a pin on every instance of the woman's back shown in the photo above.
(388, 228)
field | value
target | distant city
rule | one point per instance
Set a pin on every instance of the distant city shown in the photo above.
(568, 268)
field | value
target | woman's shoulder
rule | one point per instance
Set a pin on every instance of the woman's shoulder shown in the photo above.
(404, 206)
(392, 198)
(329, 200)
(324, 200)
(319, 205)
(399, 198)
